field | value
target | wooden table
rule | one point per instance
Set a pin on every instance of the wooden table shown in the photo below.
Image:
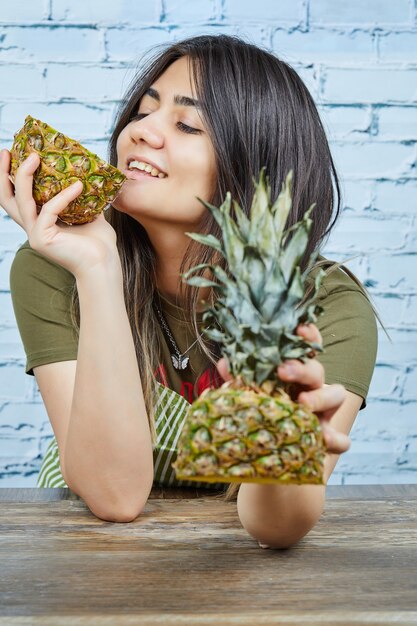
(187, 560)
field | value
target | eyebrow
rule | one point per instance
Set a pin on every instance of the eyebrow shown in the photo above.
(180, 100)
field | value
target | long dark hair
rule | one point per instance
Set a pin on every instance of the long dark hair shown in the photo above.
(259, 114)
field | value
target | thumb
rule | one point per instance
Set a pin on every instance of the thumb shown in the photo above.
(223, 369)
(51, 209)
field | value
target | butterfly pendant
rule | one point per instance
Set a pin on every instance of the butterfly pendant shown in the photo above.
(180, 363)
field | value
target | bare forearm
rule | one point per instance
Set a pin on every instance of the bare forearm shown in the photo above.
(279, 515)
(108, 454)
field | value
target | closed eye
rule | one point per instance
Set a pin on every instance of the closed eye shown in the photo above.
(188, 129)
(183, 127)
(137, 116)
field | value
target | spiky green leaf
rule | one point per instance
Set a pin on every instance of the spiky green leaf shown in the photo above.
(207, 240)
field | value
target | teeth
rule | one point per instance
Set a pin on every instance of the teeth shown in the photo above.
(145, 167)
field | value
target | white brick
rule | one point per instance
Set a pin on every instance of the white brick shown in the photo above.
(186, 11)
(21, 82)
(32, 415)
(410, 313)
(19, 481)
(323, 46)
(396, 196)
(46, 43)
(382, 476)
(79, 121)
(398, 47)
(398, 123)
(411, 243)
(130, 45)
(411, 451)
(10, 348)
(13, 382)
(290, 13)
(6, 309)
(370, 85)
(342, 122)
(122, 11)
(385, 418)
(20, 11)
(356, 194)
(391, 308)
(373, 159)
(403, 348)
(310, 78)
(358, 233)
(95, 83)
(257, 34)
(6, 260)
(410, 386)
(11, 236)
(17, 448)
(393, 271)
(386, 381)
(367, 461)
(375, 12)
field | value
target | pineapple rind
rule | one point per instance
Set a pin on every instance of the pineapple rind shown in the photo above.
(63, 162)
(277, 441)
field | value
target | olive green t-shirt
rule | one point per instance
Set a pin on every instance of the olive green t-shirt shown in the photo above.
(41, 296)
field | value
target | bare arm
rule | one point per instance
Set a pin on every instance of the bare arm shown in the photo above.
(280, 515)
(95, 404)
(108, 450)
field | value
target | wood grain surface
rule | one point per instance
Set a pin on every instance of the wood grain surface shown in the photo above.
(187, 560)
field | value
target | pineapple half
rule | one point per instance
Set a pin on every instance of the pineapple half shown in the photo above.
(249, 429)
(63, 162)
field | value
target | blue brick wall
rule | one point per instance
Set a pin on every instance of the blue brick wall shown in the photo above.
(68, 62)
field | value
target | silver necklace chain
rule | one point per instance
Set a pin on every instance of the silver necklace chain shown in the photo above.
(179, 360)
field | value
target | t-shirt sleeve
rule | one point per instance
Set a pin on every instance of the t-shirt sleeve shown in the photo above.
(349, 332)
(41, 294)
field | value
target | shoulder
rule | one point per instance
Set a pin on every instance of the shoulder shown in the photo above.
(337, 280)
(348, 329)
(342, 295)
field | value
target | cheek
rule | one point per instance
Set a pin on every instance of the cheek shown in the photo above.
(200, 172)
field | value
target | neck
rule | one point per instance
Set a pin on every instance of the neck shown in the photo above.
(170, 245)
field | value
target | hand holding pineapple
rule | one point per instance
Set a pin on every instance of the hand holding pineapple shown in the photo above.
(77, 249)
(308, 384)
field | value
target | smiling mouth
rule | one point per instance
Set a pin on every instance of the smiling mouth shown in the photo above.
(143, 169)
(139, 174)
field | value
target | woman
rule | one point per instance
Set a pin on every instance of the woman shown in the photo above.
(205, 115)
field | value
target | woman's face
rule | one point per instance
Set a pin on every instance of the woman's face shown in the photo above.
(169, 136)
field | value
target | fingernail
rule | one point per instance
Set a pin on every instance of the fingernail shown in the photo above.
(31, 158)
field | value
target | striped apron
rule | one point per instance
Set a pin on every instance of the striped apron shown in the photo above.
(170, 414)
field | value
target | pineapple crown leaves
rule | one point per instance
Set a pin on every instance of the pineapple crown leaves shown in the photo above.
(261, 295)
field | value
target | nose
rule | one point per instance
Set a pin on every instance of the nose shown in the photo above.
(145, 130)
